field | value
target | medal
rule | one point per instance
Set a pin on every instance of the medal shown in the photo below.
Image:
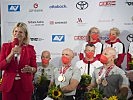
(104, 82)
(64, 78)
(60, 78)
(98, 81)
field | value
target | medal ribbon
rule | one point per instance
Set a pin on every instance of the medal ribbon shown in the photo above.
(107, 71)
(63, 70)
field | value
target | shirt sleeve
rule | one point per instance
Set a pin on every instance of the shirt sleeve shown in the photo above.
(76, 74)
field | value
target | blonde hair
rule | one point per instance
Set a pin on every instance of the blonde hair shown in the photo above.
(88, 34)
(116, 30)
(24, 27)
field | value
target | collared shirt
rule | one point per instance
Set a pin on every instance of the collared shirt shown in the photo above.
(118, 46)
(130, 49)
(48, 72)
(116, 79)
(84, 67)
(71, 73)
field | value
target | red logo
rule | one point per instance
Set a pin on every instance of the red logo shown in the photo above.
(51, 22)
(35, 5)
(107, 3)
(79, 37)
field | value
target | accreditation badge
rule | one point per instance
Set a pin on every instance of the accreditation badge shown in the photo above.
(104, 82)
(60, 78)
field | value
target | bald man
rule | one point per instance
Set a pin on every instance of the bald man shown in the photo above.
(110, 79)
(45, 69)
(67, 76)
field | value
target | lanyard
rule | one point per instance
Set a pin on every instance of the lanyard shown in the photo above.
(63, 70)
(105, 72)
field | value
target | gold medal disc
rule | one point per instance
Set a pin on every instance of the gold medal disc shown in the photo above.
(98, 81)
(60, 78)
(64, 78)
(104, 82)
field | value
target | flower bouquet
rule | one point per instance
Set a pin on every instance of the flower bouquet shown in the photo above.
(114, 97)
(55, 92)
(81, 88)
(41, 79)
(93, 94)
(131, 64)
(85, 80)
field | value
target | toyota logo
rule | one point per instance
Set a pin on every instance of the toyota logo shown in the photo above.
(130, 37)
(81, 5)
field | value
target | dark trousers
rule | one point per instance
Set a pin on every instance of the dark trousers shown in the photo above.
(41, 90)
(0, 96)
(68, 98)
(131, 86)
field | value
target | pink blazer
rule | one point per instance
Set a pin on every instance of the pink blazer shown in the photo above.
(27, 57)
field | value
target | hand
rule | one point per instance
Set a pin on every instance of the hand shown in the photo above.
(16, 50)
(27, 69)
(89, 88)
(130, 75)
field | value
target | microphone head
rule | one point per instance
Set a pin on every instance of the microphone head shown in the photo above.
(16, 41)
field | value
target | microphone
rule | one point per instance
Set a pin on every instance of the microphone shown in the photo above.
(16, 43)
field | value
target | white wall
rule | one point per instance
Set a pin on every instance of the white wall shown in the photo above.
(66, 22)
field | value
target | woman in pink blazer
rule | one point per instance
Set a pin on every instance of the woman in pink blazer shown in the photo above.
(18, 62)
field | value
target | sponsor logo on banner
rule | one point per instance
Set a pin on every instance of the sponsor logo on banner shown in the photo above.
(36, 39)
(57, 22)
(14, 8)
(58, 38)
(104, 37)
(130, 37)
(80, 21)
(107, 3)
(36, 23)
(105, 20)
(129, 2)
(57, 6)
(129, 23)
(82, 5)
(80, 37)
(35, 8)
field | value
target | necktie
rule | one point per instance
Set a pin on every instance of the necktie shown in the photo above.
(88, 67)
(111, 45)
(42, 72)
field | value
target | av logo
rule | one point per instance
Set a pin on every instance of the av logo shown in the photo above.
(58, 38)
(13, 8)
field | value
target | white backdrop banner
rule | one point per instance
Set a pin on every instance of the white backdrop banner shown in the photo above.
(57, 24)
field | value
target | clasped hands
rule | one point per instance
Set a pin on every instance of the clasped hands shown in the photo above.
(27, 69)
